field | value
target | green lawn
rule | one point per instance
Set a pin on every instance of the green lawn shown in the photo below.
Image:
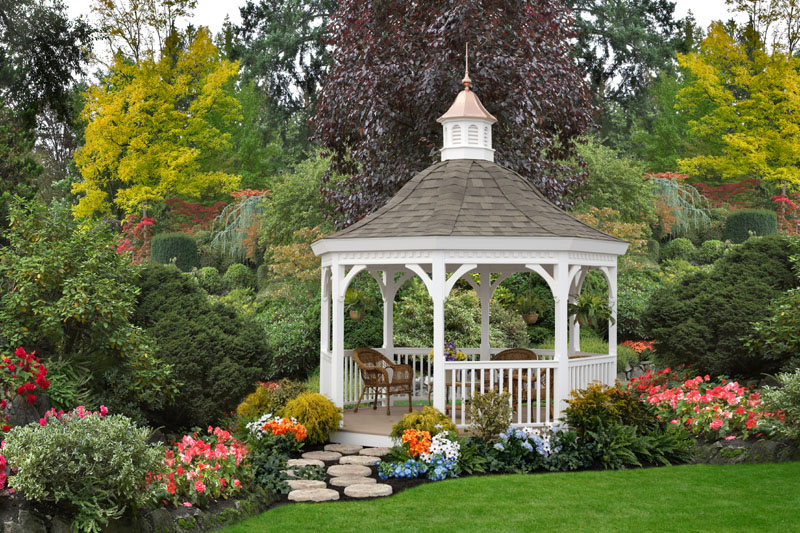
(680, 498)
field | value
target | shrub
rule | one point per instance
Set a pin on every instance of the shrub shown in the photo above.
(785, 398)
(490, 413)
(276, 435)
(94, 464)
(262, 276)
(626, 356)
(269, 398)
(429, 419)
(210, 280)
(710, 251)
(317, 413)
(364, 333)
(635, 288)
(238, 276)
(701, 319)
(218, 354)
(290, 327)
(178, 246)
(654, 249)
(742, 224)
(598, 405)
(680, 248)
(520, 450)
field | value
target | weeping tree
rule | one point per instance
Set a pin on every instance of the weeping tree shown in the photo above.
(680, 207)
(236, 230)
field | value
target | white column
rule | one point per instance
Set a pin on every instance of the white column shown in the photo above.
(388, 291)
(561, 296)
(574, 327)
(325, 334)
(437, 290)
(612, 325)
(485, 295)
(337, 362)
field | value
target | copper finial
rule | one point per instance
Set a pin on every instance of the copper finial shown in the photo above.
(466, 81)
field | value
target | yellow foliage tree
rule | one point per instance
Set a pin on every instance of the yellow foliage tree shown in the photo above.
(745, 106)
(157, 129)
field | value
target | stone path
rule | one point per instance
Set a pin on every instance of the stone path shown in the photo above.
(351, 470)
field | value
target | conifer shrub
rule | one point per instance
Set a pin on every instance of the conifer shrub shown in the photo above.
(317, 413)
(710, 251)
(178, 246)
(742, 224)
(210, 280)
(429, 419)
(680, 248)
(262, 276)
(238, 276)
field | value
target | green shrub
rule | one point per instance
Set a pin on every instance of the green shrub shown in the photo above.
(262, 276)
(238, 276)
(654, 250)
(269, 397)
(680, 248)
(597, 405)
(210, 280)
(317, 413)
(626, 356)
(218, 354)
(94, 466)
(616, 446)
(710, 251)
(429, 419)
(634, 288)
(701, 319)
(742, 224)
(69, 384)
(178, 246)
(490, 413)
(785, 398)
(367, 332)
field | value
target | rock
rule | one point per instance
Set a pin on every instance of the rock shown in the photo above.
(346, 449)
(364, 460)
(306, 484)
(22, 413)
(368, 491)
(348, 470)
(305, 462)
(346, 481)
(59, 525)
(322, 456)
(27, 522)
(375, 452)
(313, 495)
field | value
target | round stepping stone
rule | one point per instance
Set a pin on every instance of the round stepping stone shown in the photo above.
(289, 472)
(322, 456)
(346, 481)
(375, 452)
(305, 462)
(313, 495)
(305, 484)
(364, 460)
(348, 470)
(345, 449)
(368, 491)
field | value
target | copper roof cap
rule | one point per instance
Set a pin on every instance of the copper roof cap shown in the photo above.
(467, 104)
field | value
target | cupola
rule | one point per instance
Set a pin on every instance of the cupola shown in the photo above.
(467, 126)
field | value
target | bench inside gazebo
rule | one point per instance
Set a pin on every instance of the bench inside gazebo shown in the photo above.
(463, 216)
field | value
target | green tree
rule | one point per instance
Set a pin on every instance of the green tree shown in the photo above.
(158, 129)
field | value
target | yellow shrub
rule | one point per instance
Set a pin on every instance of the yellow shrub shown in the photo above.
(317, 413)
(430, 420)
(269, 397)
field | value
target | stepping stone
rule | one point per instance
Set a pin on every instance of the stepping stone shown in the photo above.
(322, 456)
(346, 481)
(368, 491)
(364, 460)
(289, 472)
(375, 452)
(345, 449)
(313, 495)
(305, 462)
(305, 484)
(349, 470)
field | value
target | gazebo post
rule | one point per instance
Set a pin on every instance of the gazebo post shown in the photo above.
(337, 351)
(325, 333)
(437, 290)
(611, 274)
(574, 327)
(561, 295)
(485, 295)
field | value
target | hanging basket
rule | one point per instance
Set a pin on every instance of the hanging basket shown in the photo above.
(356, 315)
(530, 318)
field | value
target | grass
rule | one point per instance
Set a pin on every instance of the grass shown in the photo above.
(679, 498)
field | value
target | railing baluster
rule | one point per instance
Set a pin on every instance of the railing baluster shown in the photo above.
(519, 396)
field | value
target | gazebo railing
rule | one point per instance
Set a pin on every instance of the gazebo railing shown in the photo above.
(586, 368)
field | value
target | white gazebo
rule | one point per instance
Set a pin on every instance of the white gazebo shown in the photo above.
(467, 215)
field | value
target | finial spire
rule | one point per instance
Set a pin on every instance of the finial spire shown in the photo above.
(466, 81)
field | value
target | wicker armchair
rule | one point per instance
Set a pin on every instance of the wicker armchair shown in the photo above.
(522, 354)
(375, 373)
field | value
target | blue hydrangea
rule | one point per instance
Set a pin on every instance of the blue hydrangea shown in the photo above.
(527, 445)
(499, 446)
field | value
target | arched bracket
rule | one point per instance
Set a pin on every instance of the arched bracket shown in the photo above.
(451, 282)
(349, 277)
(420, 272)
(551, 282)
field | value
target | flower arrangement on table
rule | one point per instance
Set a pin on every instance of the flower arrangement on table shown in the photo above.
(433, 457)
(200, 467)
(714, 410)
(276, 434)
(522, 449)
(451, 353)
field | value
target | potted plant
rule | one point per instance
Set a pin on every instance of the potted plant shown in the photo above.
(530, 307)
(358, 303)
(590, 309)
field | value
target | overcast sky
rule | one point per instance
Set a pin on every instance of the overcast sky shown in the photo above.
(212, 13)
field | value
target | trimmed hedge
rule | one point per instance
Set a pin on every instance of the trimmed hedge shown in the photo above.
(740, 224)
(680, 248)
(166, 246)
(238, 276)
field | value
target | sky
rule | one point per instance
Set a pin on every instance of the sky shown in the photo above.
(212, 13)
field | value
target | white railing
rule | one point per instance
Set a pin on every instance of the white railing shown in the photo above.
(529, 383)
(585, 368)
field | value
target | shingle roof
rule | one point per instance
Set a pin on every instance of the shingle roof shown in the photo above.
(469, 197)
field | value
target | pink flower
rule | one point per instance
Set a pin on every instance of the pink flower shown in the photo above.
(730, 437)
(237, 483)
(187, 504)
(716, 424)
(103, 410)
(199, 487)
(42, 421)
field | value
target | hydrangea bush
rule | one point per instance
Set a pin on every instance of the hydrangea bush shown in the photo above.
(521, 450)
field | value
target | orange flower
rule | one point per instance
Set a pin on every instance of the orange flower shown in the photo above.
(418, 441)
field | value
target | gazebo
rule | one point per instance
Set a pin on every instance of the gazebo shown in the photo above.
(467, 215)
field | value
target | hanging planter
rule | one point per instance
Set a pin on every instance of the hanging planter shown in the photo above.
(357, 315)
(530, 306)
(530, 318)
(357, 304)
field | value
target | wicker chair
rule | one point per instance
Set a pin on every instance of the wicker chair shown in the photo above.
(522, 354)
(375, 373)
